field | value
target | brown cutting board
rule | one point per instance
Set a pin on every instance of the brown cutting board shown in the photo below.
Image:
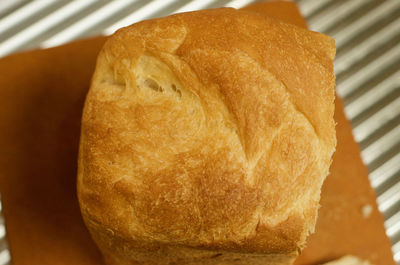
(41, 98)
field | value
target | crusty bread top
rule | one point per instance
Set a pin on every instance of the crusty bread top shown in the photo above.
(211, 129)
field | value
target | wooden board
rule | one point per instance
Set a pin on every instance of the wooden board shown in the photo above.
(41, 99)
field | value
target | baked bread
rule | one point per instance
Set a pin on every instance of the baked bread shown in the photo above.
(206, 137)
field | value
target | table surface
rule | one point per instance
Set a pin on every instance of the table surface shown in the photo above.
(367, 66)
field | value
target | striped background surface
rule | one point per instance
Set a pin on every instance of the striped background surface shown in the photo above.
(367, 66)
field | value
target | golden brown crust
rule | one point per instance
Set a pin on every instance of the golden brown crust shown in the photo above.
(286, 11)
(209, 131)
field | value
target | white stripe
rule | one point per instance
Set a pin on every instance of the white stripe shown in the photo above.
(6, 5)
(385, 171)
(396, 251)
(309, 7)
(23, 13)
(238, 3)
(393, 225)
(2, 231)
(334, 14)
(351, 83)
(41, 26)
(81, 26)
(366, 100)
(365, 21)
(193, 5)
(386, 142)
(140, 14)
(4, 257)
(389, 198)
(345, 60)
(397, 257)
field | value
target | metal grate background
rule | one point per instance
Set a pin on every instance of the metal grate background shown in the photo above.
(367, 34)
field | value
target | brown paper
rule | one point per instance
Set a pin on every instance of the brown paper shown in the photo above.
(41, 98)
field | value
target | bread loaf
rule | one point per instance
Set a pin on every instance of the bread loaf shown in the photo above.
(206, 137)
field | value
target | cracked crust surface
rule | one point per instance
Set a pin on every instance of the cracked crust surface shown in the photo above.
(206, 137)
